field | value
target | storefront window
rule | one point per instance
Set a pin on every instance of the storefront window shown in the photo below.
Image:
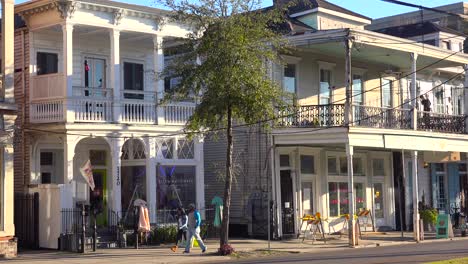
(338, 197)
(133, 181)
(176, 186)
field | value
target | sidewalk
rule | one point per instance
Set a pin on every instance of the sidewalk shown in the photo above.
(163, 254)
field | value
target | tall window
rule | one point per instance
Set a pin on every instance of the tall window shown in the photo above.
(358, 89)
(290, 82)
(325, 85)
(387, 93)
(133, 79)
(440, 185)
(50, 170)
(439, 99)
(95, 73)
(457, 100)
(47, 63)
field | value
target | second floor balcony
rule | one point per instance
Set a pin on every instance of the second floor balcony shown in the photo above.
(101, 105)
(335, 115)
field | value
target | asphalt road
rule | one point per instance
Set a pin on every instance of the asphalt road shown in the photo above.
(413, 253)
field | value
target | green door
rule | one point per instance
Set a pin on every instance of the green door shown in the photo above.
(99, 195)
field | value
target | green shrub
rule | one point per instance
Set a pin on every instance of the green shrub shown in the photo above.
(164, 234)
(429, 215)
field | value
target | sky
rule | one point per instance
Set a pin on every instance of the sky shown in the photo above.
(369, 8)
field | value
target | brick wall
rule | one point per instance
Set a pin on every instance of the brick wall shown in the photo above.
(8, 248)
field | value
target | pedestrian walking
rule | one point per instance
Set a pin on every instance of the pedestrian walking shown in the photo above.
(194, 222)
(182, 221)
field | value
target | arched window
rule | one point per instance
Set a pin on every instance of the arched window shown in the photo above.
(133, 149)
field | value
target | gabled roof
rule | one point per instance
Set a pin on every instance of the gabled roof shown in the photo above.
(418, 29)
(304, 5)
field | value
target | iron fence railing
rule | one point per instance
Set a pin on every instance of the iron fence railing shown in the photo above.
(441, 122)
(312, 116)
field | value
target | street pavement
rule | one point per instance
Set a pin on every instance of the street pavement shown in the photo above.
(375, 248)
(408, 253)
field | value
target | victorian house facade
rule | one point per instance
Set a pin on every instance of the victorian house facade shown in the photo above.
(91, 92)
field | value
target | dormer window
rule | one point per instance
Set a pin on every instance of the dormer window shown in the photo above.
(446, 45)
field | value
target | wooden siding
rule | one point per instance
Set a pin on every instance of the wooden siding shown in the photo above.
(21, 138)
(252, 162)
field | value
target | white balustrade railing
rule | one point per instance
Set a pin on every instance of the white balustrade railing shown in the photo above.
(47, 111)
(138, 111)
(92, 110)
(178, 113)
(47, 86)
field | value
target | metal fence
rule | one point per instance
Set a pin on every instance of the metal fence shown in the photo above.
(26, 218)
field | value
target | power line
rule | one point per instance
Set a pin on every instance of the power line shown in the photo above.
(423, 8)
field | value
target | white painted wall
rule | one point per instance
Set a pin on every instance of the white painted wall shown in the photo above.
(49, 215)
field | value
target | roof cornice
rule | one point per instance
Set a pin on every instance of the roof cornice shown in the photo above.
(68, 7)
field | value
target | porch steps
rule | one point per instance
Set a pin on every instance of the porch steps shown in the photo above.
(104, 239)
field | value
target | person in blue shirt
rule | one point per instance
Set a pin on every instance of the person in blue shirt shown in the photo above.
(194, 223)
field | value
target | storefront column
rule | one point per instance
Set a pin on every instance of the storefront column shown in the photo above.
(8, 49)
(414, 156)
(67, 190)
(351, 205)
(151, 178)
(200, 173)
(116, 150)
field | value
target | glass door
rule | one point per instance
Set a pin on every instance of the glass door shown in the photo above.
(95, 73)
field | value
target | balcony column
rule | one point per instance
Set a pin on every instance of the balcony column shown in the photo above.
(67, 49)
(351, 204)
(349, 84)
(414, 95)
(158, 62)
(116, 150)
(465, 98)
(115, 73)
(8, 44)
(414, 157)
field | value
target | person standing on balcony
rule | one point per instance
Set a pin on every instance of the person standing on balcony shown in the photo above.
(194, 222)
(426, 103)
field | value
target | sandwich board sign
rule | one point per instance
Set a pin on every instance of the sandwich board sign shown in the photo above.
(444, 226)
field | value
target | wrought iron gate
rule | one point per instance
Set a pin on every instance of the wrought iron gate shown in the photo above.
(27, 220)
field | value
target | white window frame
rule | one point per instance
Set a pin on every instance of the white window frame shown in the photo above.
(329, 67)
(361, 73)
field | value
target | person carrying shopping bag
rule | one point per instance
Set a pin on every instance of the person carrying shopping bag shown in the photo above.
(194, 222)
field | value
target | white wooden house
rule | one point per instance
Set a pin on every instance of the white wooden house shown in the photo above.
(92, 93)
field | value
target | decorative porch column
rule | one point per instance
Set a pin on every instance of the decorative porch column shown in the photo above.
(8, 44)
(116, 150)
(115, 73)
(67, 190)
(349, 84)
(414, 156)
(151, 178)
(67, 50)
(351, 204)
(414, 92)
(158, 61)
(465, 98)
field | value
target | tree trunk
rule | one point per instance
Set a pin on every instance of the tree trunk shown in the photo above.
(228, 182)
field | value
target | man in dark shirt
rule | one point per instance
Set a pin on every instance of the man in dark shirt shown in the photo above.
(426, 108)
